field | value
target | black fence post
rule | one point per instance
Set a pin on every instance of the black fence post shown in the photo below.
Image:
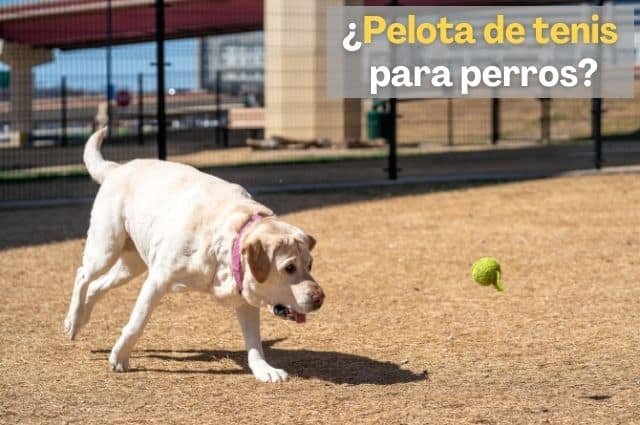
(545, 120)
(450, 121)
(596, 131)
(596, 111)
(140, 109)
(160, 113)
(109, 70)
(218, 106)
(495, 120)
(392, 164)
(64, 140)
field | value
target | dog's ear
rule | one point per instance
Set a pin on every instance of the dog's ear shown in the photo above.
(311, 241)
(257, 258)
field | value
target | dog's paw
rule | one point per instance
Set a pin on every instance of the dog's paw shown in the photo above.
(71, 326)
(118, 363)
(74, 321)
(265, 373)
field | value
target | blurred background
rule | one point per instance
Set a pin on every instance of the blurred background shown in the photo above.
(241, 94)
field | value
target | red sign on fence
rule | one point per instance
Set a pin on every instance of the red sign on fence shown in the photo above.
(123, 98)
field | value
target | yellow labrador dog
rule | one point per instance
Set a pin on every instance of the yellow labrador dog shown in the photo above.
(191, 231)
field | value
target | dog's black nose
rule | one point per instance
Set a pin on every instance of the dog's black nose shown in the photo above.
(317, 298)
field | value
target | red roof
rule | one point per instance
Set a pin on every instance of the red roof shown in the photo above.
(69, 24)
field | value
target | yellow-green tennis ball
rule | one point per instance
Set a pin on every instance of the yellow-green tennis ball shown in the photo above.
(486, 271)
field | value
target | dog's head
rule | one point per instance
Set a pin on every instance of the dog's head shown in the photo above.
(278, 259)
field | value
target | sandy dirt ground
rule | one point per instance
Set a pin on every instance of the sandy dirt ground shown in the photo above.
(404, 336)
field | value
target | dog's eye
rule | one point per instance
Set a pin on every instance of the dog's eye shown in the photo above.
(291, 268)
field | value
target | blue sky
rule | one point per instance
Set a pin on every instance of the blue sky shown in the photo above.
(87, 68)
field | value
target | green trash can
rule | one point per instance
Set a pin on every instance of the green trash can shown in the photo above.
(378, 119)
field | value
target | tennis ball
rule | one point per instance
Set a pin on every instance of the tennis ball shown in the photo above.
(486, 271)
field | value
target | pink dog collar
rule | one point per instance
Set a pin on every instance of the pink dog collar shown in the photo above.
(236, 252)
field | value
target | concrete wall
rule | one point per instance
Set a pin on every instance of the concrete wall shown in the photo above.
(21, 59)
(295, 73)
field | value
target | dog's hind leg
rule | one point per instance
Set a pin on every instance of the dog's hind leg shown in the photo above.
(105, 241)
(128, 266)
(153, 289)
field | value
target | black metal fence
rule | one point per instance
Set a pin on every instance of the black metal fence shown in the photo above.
(214, 119)
(455, 122)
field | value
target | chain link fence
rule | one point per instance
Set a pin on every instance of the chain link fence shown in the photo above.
(216, 117)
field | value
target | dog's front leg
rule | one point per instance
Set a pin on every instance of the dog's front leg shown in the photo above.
(249, 318)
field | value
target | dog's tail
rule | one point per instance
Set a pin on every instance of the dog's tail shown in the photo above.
(97, 167)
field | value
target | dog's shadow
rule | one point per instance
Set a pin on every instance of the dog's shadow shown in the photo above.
(331, 366)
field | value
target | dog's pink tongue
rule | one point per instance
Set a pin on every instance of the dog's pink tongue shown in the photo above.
(299, 317)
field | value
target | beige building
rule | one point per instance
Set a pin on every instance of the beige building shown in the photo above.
(295, 75)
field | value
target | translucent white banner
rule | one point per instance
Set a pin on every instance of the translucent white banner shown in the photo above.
(575, 51)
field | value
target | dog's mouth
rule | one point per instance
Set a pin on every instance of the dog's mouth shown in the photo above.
(288, 313)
